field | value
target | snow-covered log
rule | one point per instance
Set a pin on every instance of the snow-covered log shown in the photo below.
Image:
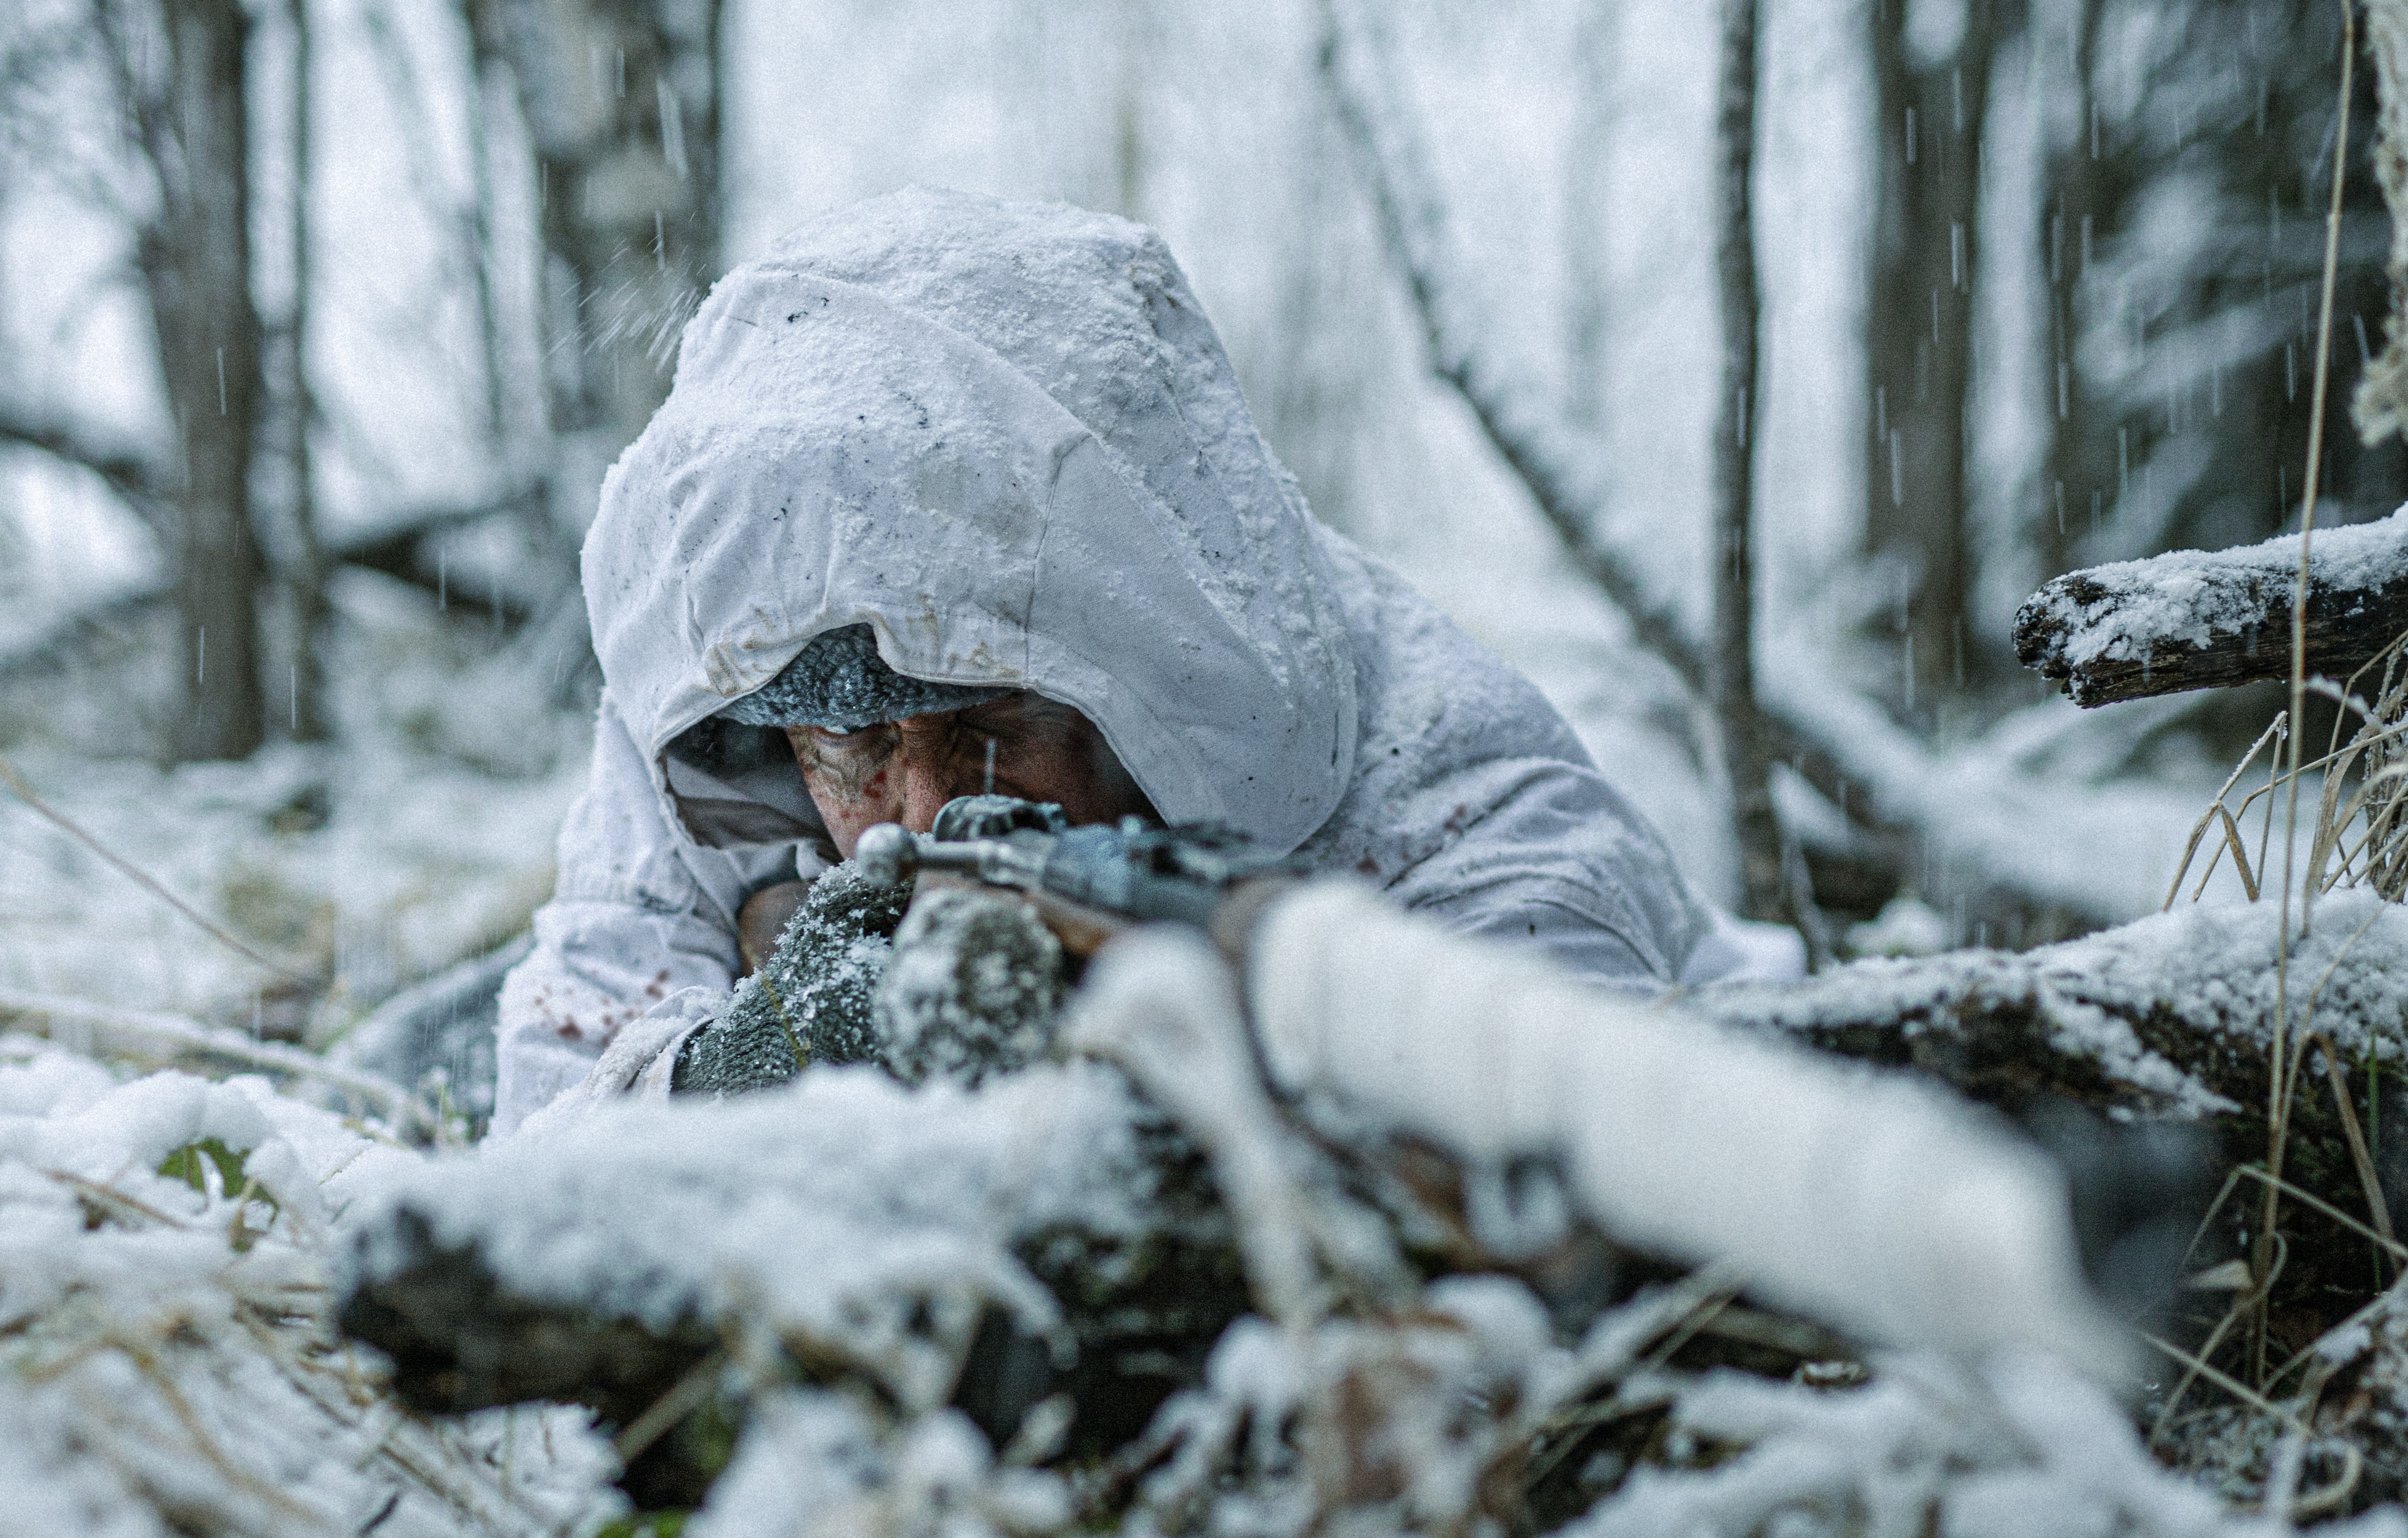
(2199, 619)
(166, 1372)
(888, 1232)
(2168, 1016)
(1048, 1234)
(2166, 1020)
(1864, 1202)
(1049, 1253)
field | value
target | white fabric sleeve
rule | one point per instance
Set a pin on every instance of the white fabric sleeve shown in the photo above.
(638, 914)
(639, 1065)
(1876, 1203)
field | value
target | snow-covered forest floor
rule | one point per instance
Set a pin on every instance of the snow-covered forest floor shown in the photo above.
(422, 838)
(221, 984)
(175, 1247)
(178, 1238)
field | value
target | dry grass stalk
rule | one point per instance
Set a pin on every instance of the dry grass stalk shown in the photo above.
(2278, 1111)
(24, 792)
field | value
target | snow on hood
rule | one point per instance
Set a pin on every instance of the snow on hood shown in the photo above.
(1006, 436)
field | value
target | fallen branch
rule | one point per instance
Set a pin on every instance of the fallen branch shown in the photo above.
(168, 1037)
(129, 470)
(2194, 620)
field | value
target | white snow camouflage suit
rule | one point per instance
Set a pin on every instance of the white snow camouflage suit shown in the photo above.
(1006, 436)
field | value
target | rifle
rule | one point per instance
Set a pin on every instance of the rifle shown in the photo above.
(1088, 883)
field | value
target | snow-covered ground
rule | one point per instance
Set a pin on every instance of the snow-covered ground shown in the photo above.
(171, 1365)
(425, 836)
(168, 1247)
(168, 1364)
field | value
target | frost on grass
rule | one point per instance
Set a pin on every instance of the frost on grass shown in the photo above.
(166, 1362)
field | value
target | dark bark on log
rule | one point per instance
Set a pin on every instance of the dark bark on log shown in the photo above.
(2059, 628)
(460, 1340)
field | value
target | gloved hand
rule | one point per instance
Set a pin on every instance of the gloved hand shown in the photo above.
(810, 1000)
(974, 988)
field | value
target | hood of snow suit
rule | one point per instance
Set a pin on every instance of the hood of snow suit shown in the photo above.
(1005, 439)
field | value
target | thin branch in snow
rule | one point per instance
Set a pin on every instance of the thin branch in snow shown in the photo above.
(129, 471)
(27, 794)
(1561, 472)
(174, 1036)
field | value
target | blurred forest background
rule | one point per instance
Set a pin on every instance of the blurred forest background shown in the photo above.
(320, 319)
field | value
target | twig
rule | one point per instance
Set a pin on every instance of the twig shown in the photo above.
(2278, 1118)
(110, 1196)
(25, 793)
(2225, 1381)
(2208, 816)
(2398, 1251)
(2372, 1189)
(180, 1034)
(2191, 1368)
(683, 1400)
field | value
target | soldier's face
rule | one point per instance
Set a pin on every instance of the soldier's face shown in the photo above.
(905, 771)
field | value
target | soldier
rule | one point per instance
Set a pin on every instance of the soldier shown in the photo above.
(955, 494)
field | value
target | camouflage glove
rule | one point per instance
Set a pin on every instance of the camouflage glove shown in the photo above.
(974, 988)
(810, 1000)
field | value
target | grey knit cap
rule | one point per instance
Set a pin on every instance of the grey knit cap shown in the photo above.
(838, 682)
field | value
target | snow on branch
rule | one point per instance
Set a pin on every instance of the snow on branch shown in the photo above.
(1972, 806)
(2193, 619)
(1562, 473)
(841, 1266)
(129, 471)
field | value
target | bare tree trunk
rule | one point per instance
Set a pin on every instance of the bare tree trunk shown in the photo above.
(197, 259)
(1744, 759)
(2079, 487)
(305, 580)
(621, 101)
(1132, 33)
(1919, 341)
